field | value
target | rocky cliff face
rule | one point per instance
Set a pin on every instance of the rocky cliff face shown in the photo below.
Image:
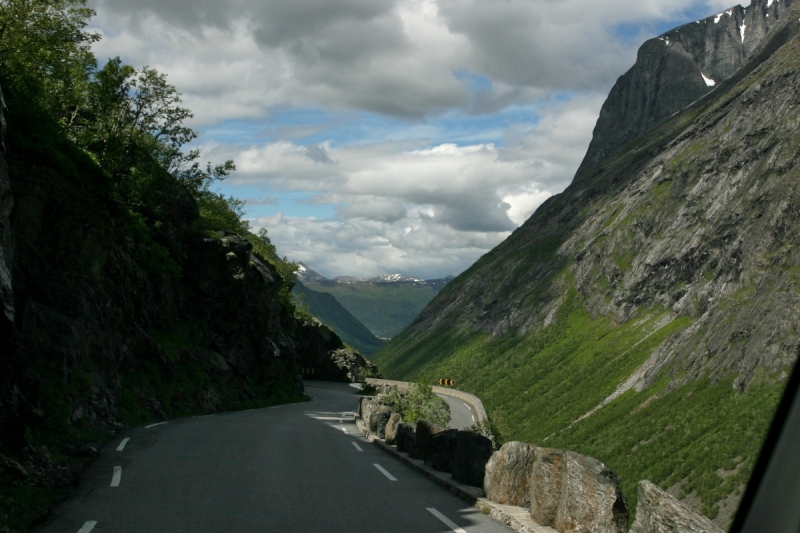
(675, 69)
(653, 305)
(113, 319)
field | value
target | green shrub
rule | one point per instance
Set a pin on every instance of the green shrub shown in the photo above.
(419, 403)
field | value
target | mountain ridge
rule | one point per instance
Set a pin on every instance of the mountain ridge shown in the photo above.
(330, 312)
(650, 309)
(384, 304)
(676, 68)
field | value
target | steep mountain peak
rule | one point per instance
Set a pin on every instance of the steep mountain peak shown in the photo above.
(395, 278)
(304, 273)
(348, 279)
(675, 69)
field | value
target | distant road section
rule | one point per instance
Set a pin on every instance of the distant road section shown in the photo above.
(465, 409)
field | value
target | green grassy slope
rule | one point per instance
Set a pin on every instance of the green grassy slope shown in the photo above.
(538, 384)
(330, 312)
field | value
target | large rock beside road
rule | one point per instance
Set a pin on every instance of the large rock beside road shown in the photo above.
(442, 451)
(366, 406)
(574, 493)
(391, 428)
(545, 485)
(508, 474)
(378, 420)
(406, 437)
(659, 512)
(425, 432)
(473, 451)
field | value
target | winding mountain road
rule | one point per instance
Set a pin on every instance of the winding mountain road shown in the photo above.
(294, 468)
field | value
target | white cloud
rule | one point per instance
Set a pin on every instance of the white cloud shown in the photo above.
(422, 200)
(368, 248)
(423, 212)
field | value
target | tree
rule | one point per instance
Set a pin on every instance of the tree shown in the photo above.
(45, 50)
(133, 119)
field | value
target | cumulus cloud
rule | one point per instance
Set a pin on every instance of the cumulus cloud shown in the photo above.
(395, 57)
(368, 248)
(426, 212)
(318, 154)
(373, 208)
(415, 202)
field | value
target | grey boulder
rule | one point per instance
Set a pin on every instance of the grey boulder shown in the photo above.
(659, 512)
(508, 474)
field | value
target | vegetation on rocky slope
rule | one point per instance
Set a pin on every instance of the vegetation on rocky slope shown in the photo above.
(647, 316)
(131, 292)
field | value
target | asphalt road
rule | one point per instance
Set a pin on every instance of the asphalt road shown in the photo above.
(295, 468)
(461, 414)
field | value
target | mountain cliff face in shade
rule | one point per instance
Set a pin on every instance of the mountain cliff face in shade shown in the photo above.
(675, 69)
(106, 324)
(648, 315)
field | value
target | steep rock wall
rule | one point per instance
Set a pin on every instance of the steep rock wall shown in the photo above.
(118, 318)
(675, 69)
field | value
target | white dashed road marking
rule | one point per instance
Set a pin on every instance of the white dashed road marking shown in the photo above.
(88, 526)
(115, 479)
(122, 444)
(384, 472)
(154, 425)
(473, 418)
(449, 523)
(344, 429)
(357, 447)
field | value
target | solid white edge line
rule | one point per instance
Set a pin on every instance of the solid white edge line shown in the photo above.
(122, 444)
(88, 526)
(449, 523)
(154, 425)
(384, 472)
(357, 446)
(115, 479)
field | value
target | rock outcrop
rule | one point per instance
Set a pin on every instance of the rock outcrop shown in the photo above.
(424, 438)
(379, 419)
(121, 316)
(574, 493)
(392, 427)
(675, 69)
(473, 451)
(442, 451)
(659, 512)
(508, 474)
(323, 355)
(406, 437)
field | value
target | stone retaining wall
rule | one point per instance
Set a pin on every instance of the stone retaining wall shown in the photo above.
(558, 490)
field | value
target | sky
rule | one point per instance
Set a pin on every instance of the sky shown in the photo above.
(390, 136)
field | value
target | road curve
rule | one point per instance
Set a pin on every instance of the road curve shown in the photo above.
(296, 468)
